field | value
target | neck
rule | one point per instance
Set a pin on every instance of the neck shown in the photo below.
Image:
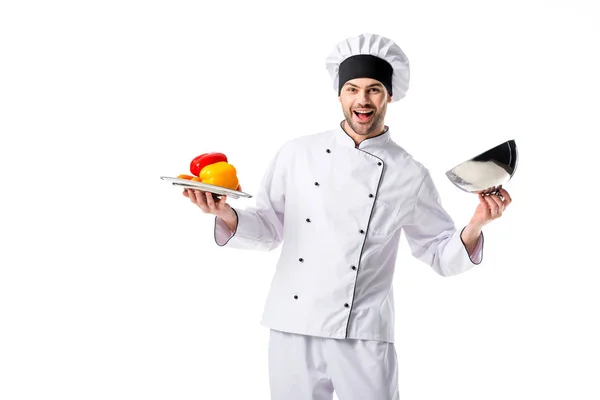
(359, 138)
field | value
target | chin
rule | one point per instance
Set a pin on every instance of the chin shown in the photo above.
(363, 129)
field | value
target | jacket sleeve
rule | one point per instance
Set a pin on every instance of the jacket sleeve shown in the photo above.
(259, 227)
(433, 237)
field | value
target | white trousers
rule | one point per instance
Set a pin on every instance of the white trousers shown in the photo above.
(311, 368)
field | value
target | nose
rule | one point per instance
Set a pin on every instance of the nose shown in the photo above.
(363, 98)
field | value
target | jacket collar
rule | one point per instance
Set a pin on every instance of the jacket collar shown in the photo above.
(375, 142)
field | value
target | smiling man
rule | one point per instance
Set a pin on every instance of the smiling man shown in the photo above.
(338, 202)
(364, 102)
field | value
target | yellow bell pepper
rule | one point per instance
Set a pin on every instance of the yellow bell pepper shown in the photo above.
(220, 174)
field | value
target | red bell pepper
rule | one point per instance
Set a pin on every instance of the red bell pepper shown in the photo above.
(205, 159)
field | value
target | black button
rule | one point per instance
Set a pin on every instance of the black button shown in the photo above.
(329, 151)
(296, 297)
(354, 267)
(361, 231)
(346, 305)
(370, 195)
(307, 219)
(301, 259)
(379, 163)
(316, 183)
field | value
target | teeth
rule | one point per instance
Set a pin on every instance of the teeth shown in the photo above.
(363, 112)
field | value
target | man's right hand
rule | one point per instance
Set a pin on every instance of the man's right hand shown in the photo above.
(208, 205)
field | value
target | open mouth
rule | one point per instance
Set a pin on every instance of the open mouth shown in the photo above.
(363, 116)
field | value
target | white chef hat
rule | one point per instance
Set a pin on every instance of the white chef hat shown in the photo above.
(370, 56)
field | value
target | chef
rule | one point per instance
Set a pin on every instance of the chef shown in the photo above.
(337, 202)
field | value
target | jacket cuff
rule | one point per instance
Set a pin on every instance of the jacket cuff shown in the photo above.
(477, 255)
(222, 233)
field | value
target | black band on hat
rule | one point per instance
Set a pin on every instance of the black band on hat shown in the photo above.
(366, 66)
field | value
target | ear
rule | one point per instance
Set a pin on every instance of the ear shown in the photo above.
(389, 100)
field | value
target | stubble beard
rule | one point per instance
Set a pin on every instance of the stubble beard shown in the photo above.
(366, 129)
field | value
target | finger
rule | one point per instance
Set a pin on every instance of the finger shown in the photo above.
(210, 201)
(185, 193)
(493, 206)
(191, 194)
(484, 206)
(499, 202)
(198, 196)
(222, 201)
(200, 200)
(507, 198)
(482, 201)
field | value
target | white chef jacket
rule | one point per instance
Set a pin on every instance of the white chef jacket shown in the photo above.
(338, 211)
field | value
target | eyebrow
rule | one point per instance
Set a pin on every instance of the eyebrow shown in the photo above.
(370, 86)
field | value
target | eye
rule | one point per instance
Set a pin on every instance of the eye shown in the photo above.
(374, 90)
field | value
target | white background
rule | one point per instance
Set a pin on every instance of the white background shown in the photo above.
(111, 285)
